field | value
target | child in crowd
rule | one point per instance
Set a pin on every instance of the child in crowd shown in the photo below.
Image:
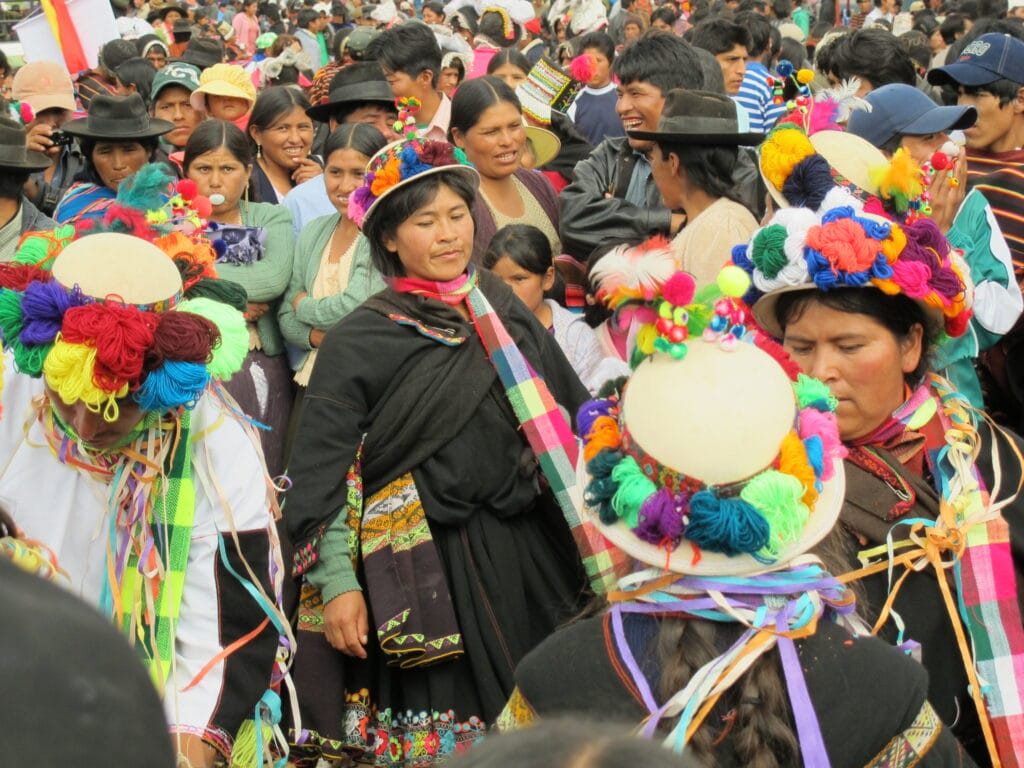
(593, 111)
(225, 92)
(521, 256)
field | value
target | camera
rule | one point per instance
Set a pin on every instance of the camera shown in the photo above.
(61, 139)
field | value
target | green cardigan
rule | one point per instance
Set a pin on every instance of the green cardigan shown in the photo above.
(266, 280)
(363, 281)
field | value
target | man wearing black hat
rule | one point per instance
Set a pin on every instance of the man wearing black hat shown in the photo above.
(359, 94)
(203, 52)
(17, 215)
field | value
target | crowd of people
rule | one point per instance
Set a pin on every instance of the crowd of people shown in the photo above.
(487, 383)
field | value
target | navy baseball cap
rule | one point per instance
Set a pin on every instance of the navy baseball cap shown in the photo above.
(898, 109)
(989, 58)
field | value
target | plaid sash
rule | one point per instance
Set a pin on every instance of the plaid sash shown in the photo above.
(543, 422)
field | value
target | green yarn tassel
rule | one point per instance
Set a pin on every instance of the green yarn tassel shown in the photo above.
(778, 497)
(244, 754)
(811, 393)
(227, 357)
(634, 489)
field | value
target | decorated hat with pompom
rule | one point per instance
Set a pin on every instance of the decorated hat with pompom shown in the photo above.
(719, 458)
(404, 161)
(138, 312)
(842, 247)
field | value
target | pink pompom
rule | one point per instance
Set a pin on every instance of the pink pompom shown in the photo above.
(815, 423)
(582, 68)
(678, 290)
(187, 189)
(25, 110)
(202, 206)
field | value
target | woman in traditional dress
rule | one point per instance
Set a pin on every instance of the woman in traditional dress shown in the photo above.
(859, 292)
(717, 471)
(254, 244)
(429, 479)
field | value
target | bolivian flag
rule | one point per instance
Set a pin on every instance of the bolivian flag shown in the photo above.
(67, 36)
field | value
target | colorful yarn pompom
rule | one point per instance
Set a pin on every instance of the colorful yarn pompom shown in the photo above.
(634, 488)
(590, 411)
(821, 425)
(812, 393)
(794, 463)
(174, 384)
(730, 526)
(785, 146)
(70, 372)
(777, 498)
(227, 357)
(604, 433)
(43, 306)
(41, 248)
(661, 519)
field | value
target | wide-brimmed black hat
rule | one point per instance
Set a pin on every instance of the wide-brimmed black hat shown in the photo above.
(161, 13)
(13, 155)
(118, 118)
(353, 93)
(203, 52)
(701, 117)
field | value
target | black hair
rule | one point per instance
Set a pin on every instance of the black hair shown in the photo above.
(925, 21)
(915, 43)
(712, 78)
(898, 314)
(212, 134)
(509, 56)
(992, 9)
(12, 183)
(781, 9)
(139, 72)
(363, 138)
(719, 36)
(116, 52)
(560, 742)
(754, 6)
(474, 97)
(272, 104)
(824, 49)
(759, 32)
(600, 41)
(410, 48)
(306, 17)
(1005, 90)
(663, 60)
(666, 14)
(398, 206)
(793, 49)
(5, 66)
(952, 26)
(526, 245)
(435, 6)
(709, 168)
(492, 26)
(873, 55)
(88, 171)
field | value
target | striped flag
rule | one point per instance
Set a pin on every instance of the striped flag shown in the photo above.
(67, 36)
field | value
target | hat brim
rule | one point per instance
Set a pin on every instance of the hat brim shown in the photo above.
(941, 120)
(80, 127)
(962, 73)
(377, 91)
(45, 101)
(545, 144)
(765, 315)
(218, 88)
(705, 139)
(468, 171)
(34, 161)
(681, 559)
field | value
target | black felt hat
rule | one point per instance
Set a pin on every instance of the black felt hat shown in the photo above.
(118, 118)
(701, 117)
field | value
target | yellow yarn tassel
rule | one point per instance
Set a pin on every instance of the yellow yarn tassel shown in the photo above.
(244, 754)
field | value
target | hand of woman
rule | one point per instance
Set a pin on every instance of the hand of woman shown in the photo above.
(947, 197)
(346, 624)
(254, 311)
(297, 299)
(307, 169)
(316, 337)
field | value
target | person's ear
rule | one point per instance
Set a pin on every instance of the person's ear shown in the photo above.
(425, 79)
(248, 172)
(1018, 103)
(675, 164)
(911, 348)
(458, 138)
(548, 282)
(390, 243)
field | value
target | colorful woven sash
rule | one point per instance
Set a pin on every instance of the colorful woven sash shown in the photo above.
(970, 538)
(543, 422)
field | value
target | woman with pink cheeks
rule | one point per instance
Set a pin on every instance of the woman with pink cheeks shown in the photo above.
(282, 134)
(487, 124)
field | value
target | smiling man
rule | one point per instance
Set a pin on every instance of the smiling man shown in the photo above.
(614, 197)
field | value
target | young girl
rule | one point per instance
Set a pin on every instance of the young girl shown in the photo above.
(521, 256)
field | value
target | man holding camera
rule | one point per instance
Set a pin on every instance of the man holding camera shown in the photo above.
(47, 91)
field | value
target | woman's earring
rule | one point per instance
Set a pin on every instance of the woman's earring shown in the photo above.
(259, 150)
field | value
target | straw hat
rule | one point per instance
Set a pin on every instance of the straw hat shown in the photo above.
(544, 144)
(223, 80)
(715, 461)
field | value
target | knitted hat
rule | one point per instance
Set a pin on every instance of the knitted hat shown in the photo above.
(223, 80)
(128, 307)
(719, 459)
